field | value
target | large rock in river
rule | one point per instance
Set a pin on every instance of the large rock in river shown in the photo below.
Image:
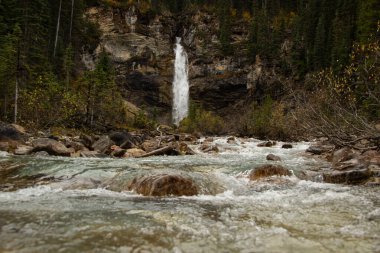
(51, 146)
(163, 185)
(268, 170)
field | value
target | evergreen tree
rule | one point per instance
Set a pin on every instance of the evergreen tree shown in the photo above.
(368, 16)
(320, 50)
(225, 26)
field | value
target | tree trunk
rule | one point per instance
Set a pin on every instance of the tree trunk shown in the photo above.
(16, 101)
(71, 19)
(57, 30)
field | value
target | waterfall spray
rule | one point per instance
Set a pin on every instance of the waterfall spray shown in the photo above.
(180, 84)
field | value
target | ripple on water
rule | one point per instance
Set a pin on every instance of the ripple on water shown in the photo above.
(79, 214)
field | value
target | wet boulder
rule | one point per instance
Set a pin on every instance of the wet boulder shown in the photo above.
(287, 146)
(268, 170)
(51, 146)
(354, 176)
(319, 149)
(272, 157)
(209, 148)
(267, 144)
(163, 185)
(184, 149)
(231, 140)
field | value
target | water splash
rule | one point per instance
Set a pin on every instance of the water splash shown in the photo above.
(180, 84)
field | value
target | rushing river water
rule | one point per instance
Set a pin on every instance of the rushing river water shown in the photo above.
(84, 207)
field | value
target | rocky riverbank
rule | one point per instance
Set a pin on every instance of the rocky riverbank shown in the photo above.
(347, 165)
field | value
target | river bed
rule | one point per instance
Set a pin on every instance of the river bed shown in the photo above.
(84, 206)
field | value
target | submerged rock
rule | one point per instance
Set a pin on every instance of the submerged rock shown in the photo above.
(163, 185)
(272, 157)
(208, 148)
(268, 170)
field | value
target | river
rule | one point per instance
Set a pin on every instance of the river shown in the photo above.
(82, 205)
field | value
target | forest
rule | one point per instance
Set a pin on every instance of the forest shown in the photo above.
(334, 59)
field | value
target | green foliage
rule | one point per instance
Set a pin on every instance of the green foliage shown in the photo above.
(268, 120)
(225, 26)
(48, 104)
(142, 121)
(368, 17)
(200, 120)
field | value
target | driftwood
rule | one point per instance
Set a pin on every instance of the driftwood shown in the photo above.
(160, 151)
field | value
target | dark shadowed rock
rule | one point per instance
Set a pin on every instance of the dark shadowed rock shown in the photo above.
(267, 144)
(268, 170)
(231, 140)
(10, 132)
(287, 146)
(51, 146)
(103, 144)
(272, 157)
(121, 137)
(77, 146)
(163, 185)
(319, 149)
(117, 151)
(87, 140)
(356, 176)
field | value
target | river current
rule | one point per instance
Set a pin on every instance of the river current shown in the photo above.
(83, 206)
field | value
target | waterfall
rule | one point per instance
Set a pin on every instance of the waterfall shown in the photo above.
(180, 84)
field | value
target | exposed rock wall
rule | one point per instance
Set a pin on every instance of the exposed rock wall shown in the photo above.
(141, 47)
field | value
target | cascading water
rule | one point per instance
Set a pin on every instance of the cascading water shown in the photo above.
(180, 84)
(50, 204)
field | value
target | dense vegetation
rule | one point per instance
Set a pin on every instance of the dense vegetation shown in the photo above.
(44, 84)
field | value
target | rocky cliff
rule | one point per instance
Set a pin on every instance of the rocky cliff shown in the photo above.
(141, 47)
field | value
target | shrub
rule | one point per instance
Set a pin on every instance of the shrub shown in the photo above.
(200, 120)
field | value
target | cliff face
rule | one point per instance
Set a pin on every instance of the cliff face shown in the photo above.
(141, 47)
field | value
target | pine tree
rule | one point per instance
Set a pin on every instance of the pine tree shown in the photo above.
(368, 16)
(320, 50)
(225, 26)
